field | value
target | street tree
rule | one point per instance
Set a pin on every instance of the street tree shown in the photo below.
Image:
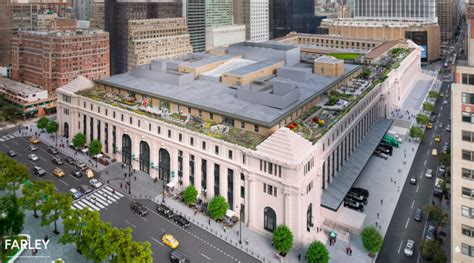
(190, 195)
(95, 147)
(11, 113)
(139, 252)
(317, 253)
(422, 119)
(439, 216)
(431, 250)
(12, 217)
(445, 158)
(217, 207)
(12, 173)
(416, 132)
(433, 94)
(79, 140)
(74, 222)
(366, 73)
(54, 207)
(42, 123)
(282, 239)
(34, 193)
(428, 107)
(119, 238)
(372, 240)
(53, 127)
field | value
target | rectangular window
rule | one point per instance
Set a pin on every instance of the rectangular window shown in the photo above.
(270, 168)
(211, 116)
(467, 136)
(467, 230)
(264, 188)
(204, 146)
(242, 125)
(242, 192)
(243, 158)
(191, 169)
(200, 113)
(98, 109)
(467, 174)
(468, 98)
(270, 190)
(466, 155)
(217, 178)
(216, 150)
(255, 128)
(203, 174)
(92, 107)
(131, 120)
(139, 123)
(191, 141)
(149, 126)
(180, 167)
(169, 133)
(467, 250)
(467, 193)
(121, 118)
(113, 114)
(180, 137)
(230, 154)
(467, 211)
(158, 130)
(230, 188)
(189, 110)
(242, 177)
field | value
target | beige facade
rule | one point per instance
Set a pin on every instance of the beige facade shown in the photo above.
(387, 30)
(98, 14)
(151, 39)
(329, 66)
(224, 35)
(448, 17)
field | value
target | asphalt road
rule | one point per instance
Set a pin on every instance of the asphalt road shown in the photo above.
(402, 225)
(197, 244)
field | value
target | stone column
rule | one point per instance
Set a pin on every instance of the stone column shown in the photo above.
(249, 207)
(185, 169)
(174, 165)
(197, 174)
(223, 181)
(236, 189)
(210, 180)
(287, 209)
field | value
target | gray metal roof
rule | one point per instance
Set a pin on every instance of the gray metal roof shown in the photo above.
(254, 67)
(219, 98)
(334, 194)
(267, 44)
(327, 59)
(198, 61)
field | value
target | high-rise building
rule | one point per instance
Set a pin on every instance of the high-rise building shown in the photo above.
(448, 18)
(117, 15)
(219, 13)
(15, 17)
(83, 9)
(292, 15)
(151, 39)
(98, 15)
(254, 15)
(52, 59)
(462, 153)
(196, 20)
(413, 10)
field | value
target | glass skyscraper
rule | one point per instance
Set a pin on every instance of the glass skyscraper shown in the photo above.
(404, 10)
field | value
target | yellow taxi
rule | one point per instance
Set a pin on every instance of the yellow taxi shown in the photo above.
(170, 241)
(434, 152)
(58, 172)
(437, 138)
(35, 140)
(89, 173)
(429, 126)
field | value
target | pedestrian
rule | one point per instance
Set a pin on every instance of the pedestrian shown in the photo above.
(113, 190)
(120, 185)
(135, 177)
(209, 221)
(377, 215)
(247, 241)
(381, 200)
(391, 179)
(376, 224)
(46, 238)
(412, 149)
(347, 250)
(125, 175)
(34, 251)
(224, 229)
(299, 257)
(350, 251)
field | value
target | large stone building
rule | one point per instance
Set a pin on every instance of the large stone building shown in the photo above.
(98, 15)
(52, 59)
(251, 125)
(254, 14)
(224, 35)
(15, 17)
(448, 18)
(117, 14)
(83, 9)
(151, 39)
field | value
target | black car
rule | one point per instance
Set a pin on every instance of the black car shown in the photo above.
(380, 154)
(57, 160)
(85, 189)
(177, 257)
(69, 160)
(11, 153)
(354, 205)
(164, 210)
(77, 174)
(387, 147)
(360, 191)
(139, 208)
(181, 220)
(383, 149)
(357, 197)
(53, 150)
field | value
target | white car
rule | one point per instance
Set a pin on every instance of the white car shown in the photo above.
(33, 157)
(95, 183)
(75, 193)
(409, 248)
(445, 101)
(429, 173)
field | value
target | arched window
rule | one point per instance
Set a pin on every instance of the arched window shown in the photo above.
(164, 165)
(269, 219)
(144, 157)
(126, 149)
(309, 217)
(66, 130)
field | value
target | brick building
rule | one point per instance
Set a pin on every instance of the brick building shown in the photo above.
(55, 58)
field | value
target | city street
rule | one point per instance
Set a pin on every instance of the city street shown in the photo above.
(402, 225)
(114, 207)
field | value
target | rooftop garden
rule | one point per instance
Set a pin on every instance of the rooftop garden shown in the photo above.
(211, 128)
(345, 56)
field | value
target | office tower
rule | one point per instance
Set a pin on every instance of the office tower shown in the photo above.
(219, 13)
(117, 15)
(196, 20)
(151, 39)
(83, 9)
(53, 59)
(254, 15)
(414, 10)
(293, 15)
(448, 18)
(98, 14)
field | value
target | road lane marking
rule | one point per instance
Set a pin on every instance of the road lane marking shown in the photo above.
(418, 187)
(431, 143)
(89, 204)
(15, 143)
(159, 242)
(418, 260)
(128, 222)
(406, 225)
(400, 247)
(441, 109)
(43, 159)
(206, 257)
(142, 217)
(62, 181)
(412, 204)
(424, 164)
(73, 177)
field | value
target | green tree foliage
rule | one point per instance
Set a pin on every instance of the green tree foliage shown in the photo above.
(217, 207)
(55, 206)
(10, 113)
(53, 127)
(439, 216)
(371, 239)
(42, 123)
(282, 239)
(12, 217)
(422, 119)
(366, 73)
(432, 251)
(190, 195)
(428, 107)
(12, 173)
(34, 194)
(79, 140)
(317, 253)
(95, 147)
(433, 94)
(445, 158)
(416, 132)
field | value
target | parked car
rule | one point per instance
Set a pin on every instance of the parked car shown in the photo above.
(177, 257)
(139, 208)
(432, 118)
(85, 189)
(58, 172)
(95, 183)
(77, 173)
(430, 232)
(32, 148)
(413, 180)
(429, 173)
(57, 160)
(11, 153)
(409, 248)
(80, 165)
(34, 140)
(53, 150)
(170, 241)
(434, 152)
(357, 197)
(182, 221)
(418, 215)
(360, 191)
(382, 149)
(75, 193)
(380, 154)
(164, 210)
(37, 170)
(354, 205)
(69, 160)
(33, 157)
(448, 128)
(441, 170)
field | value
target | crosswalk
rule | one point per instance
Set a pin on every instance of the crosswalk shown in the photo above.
(98, 200)
(8, 137)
